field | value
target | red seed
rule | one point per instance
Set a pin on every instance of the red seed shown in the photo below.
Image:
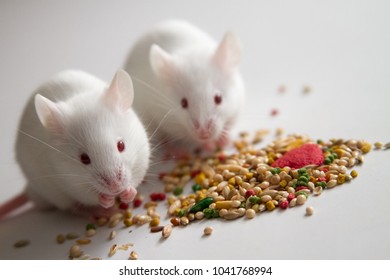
(157, 196)
(274, 112)
(299, 188)
(194, 173)
(123, 206)
(137, 202)
(221, 157)
(284, 204)
(161, 175)
(249, 193)
(306, 154)
(290, 197)
(321, 179)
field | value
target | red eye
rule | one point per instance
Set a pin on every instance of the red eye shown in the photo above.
(85, 159)
(121, 146)
(218, 99)
(184, 103)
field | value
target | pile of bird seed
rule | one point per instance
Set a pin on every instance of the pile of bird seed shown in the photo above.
(245, 183)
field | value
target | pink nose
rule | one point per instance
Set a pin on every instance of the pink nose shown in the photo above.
(203, 134)
(204, 131)
(113, 184)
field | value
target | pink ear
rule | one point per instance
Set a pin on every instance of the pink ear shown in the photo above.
(48, 113)
(120, 93)
(162, 64)
(227, 55)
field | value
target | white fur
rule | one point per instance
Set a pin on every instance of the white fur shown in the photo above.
(176, 60)
(75, 113)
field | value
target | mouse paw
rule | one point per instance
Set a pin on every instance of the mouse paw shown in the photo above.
(128, 195)
(106, 201)
(223, 140)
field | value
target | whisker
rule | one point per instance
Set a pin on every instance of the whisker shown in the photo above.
(84, 183)
(58, 175)
(77, 141)
(145, 84)
(159, 125)
(165, 142)
(48, 145)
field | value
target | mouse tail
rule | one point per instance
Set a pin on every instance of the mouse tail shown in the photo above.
(13, 204)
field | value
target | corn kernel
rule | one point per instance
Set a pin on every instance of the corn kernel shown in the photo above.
(191, 196)
(341, 179)
(232, 181)
(127, 215)
(270, 205)
(339, 153)
(283, 183)
(366, 148)
(128, 222)
(154, 222)
(200, 178)
(239, 145)
(354, 173)
(171, 200)
(297, 143)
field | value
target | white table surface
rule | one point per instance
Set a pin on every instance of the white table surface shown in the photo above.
(339, 48)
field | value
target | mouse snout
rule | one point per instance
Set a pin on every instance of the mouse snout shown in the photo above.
(206, 130)
(113, 183)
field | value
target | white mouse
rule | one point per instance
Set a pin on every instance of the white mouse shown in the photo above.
(80, 144)
(189, 88)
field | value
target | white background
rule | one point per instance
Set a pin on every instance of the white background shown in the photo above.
(339, 48)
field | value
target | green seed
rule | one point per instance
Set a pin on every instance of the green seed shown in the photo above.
(211, 213)
(305, 177)
(196, 187)
(178, 191)
(302, 183)
(321, 184)
(90, 226)
(275, 170)
(254, 199)
(181, 213)
(302, 171)
(301, 193)
(202, 204)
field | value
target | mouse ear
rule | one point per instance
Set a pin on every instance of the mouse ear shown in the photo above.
(48, 113)
(162, 63)
(227, 55)
(120, 93)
